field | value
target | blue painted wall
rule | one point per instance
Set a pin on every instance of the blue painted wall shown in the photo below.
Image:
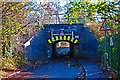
(87, 47)
(38, 47)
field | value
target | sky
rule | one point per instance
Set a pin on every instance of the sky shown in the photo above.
(64, 1)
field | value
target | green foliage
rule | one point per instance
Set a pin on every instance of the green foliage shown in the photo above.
(115, 58)
(11, 63)
(113, 51)
(19, 25)
(12, 15)
(13, 19)
(82, 9)
(110, 11)
(1, 74)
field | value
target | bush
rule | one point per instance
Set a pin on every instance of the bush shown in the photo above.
(12, 63)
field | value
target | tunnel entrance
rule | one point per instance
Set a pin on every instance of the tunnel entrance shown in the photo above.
(43, 45)
(62, 49)
(63, 42)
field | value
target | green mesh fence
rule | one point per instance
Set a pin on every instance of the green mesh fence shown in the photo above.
(113, 51)
(114, 54)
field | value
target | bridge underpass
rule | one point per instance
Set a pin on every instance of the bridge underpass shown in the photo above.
(77, 57)
(62, 49)
(85, 44)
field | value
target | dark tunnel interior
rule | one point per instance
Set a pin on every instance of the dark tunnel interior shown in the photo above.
(62, 49)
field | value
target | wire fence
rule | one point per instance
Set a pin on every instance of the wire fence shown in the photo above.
(113, 53)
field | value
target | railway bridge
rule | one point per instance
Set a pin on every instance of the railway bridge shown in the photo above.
(79, 40)
(67, 51)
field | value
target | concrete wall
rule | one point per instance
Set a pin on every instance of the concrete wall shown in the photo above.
(38, 47)
(88, 44)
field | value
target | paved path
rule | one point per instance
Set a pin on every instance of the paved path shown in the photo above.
(61, 69)
(55, 69)
(93, 70)
(63, 50)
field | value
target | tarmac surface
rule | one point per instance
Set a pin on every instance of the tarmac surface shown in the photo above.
(64, 69)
